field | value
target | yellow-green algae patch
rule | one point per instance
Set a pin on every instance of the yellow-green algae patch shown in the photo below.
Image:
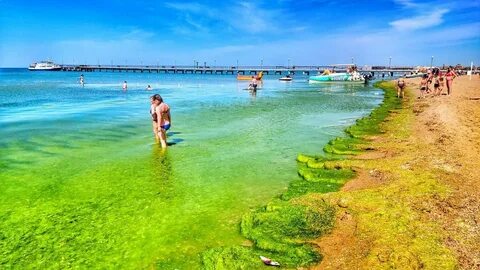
(389, 216)
(283, 229)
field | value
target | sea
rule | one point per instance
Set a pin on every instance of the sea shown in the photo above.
(84, 185)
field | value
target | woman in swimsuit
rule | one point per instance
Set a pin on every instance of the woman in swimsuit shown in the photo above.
(449, 76)
(400, 87)
(164, 119)
(441, 79)
(423, 86)
(153, 105)
(436, 86)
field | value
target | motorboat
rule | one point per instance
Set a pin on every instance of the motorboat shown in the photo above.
(44, 66)
(286, 79)
(259, 77)
(350, 76)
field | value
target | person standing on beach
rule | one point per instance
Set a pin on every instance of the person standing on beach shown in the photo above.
(449, 76)
(153, 113)
(400, 87)
(423, 85)
(164, 119)
(125, 86)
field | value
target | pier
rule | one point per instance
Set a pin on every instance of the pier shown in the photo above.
(224, 70)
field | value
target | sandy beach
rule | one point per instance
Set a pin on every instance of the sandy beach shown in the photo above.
(415, 202)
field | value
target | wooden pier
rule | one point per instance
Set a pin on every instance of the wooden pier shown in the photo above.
(222, 70)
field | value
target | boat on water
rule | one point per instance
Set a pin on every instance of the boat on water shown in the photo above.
(259, 77)
(286, 79)
(44, 66)
(350, 76)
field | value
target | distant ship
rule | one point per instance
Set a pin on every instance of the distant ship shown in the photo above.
(44, 66)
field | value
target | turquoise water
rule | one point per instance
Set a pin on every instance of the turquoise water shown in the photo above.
(84, 185)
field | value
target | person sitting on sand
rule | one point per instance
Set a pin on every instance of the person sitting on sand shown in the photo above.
(400, 87)
(149, 88)
(125, 86)
(449, 76)
(164, 119)
(423, 85)
(153, 113)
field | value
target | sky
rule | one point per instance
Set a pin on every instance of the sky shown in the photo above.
(281, 32)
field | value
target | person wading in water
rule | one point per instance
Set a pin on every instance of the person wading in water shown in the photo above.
(153, 113)
(164, 119)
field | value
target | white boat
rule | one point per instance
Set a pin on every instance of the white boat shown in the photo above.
(343, 77)
(44, 66)
(351, 76)
(286, 79)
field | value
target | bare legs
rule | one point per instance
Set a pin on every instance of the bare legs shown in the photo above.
(449, 87)
(155, 131)
(162, 133)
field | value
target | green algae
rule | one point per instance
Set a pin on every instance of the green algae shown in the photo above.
(282, 229)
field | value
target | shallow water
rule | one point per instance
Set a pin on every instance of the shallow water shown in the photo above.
(83, 183)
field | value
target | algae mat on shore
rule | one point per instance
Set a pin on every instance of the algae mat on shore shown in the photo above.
(390, 228)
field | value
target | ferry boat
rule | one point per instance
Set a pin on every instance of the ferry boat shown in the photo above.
(44, 66)
(351, 76)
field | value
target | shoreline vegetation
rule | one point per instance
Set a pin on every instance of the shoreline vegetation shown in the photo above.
(287, 227)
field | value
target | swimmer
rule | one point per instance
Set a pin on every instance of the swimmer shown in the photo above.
(153, 113)
(125, 86)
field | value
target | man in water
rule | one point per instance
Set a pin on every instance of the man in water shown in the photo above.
(82, 80)
(164, 119)
(125, 86)
(254, 84)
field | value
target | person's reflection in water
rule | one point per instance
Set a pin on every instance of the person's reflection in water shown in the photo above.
(161, 170)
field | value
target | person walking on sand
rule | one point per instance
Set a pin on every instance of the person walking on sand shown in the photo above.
(125, 86)
(400, 87)
(153, 113)
(164, 119)
(423, 85)
(449, 76)
(441, 80)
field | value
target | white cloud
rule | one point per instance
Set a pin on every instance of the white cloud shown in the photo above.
(421, 21)
(246, 16)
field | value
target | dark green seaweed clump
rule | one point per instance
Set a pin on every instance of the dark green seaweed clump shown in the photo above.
(281, 230)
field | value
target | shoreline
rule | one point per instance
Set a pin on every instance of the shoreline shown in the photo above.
(286, 228)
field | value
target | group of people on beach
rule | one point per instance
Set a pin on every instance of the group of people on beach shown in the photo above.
(434, 76)
(439, 80)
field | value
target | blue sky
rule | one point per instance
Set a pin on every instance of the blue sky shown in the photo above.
(222, 32)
